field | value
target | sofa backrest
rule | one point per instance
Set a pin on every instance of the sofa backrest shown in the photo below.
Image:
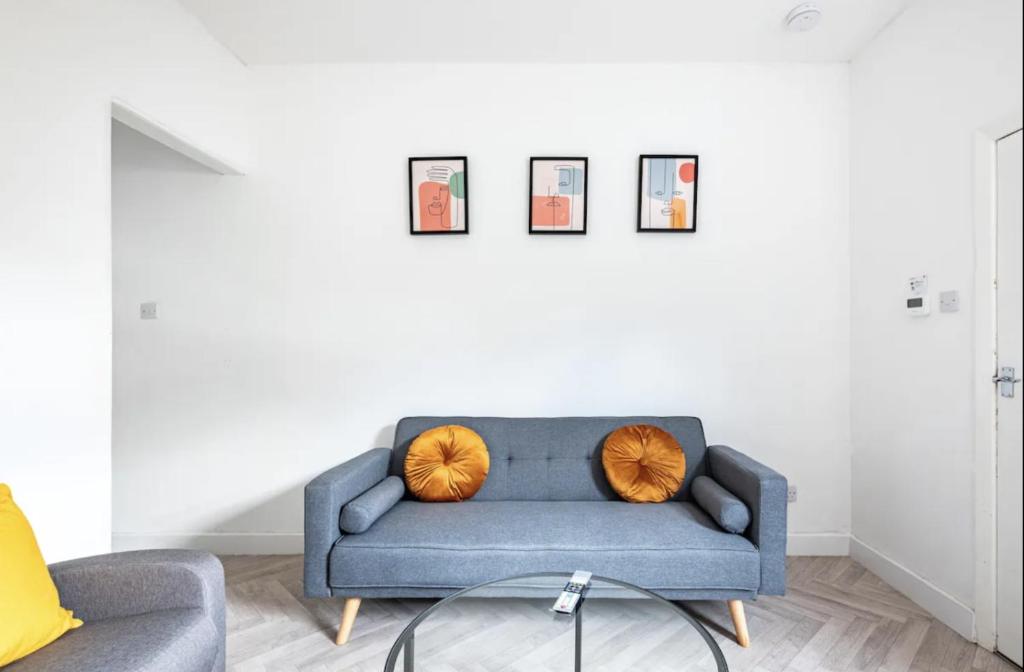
(554, 459)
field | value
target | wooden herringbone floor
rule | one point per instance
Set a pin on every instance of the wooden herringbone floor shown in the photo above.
(836, 616)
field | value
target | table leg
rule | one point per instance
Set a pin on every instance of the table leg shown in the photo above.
(579, 639)
(410, 653)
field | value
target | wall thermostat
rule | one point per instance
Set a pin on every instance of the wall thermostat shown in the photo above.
(917, 296)
(917, 306)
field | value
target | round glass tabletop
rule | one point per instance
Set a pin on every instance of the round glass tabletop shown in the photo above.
(510, 625)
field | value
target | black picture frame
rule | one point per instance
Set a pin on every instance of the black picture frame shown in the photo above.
(465, 178)
(640, 191)
(529, 196)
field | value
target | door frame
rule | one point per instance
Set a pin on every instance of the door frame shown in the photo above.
(985, 223)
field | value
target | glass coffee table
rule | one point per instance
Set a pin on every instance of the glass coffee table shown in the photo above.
(619, 627)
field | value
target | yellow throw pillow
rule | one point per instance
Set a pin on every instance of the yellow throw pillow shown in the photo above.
(30, 613)
(446, 464)
(643, 463)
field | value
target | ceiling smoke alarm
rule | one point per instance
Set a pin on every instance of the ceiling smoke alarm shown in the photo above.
(803, 17)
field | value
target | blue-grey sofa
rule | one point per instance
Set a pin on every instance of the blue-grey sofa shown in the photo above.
(143, 611)
(546, 506)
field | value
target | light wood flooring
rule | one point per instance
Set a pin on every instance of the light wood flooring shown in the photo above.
(836, 616)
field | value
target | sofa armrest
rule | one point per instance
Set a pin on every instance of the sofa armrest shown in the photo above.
(764, 491)
(140, 582)
(325, 495)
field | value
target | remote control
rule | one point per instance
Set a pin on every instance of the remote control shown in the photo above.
(571, 597)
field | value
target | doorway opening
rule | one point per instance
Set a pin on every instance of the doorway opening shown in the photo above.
(153, 241)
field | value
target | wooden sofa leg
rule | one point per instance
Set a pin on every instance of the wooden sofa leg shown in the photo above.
(348, 617)
(739, 622)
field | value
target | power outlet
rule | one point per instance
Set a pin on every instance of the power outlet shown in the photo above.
(147, 310)
(791, 493)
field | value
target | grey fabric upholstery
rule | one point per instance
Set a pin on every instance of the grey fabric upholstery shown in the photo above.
(143, 610)
(546, 506)
(325, 496)
(731, 514)
(358, 515)
(763, 490)
(552, 458)
(169, 640)
(451, 545)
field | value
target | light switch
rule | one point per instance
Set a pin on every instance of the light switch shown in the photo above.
(949, 302)
(147, 311)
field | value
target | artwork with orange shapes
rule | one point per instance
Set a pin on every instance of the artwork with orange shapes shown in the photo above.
(667, 198)
(558, 195)
(438, 195)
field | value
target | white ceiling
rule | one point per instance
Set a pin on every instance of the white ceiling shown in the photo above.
(555, 31)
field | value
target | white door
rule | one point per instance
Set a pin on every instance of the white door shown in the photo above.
(1008, 408)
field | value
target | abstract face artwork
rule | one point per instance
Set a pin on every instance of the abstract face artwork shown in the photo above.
(668, 193)
(438, 197)
(558, 195)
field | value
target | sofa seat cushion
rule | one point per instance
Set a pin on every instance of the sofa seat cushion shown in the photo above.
(669, 546)
(169, 640)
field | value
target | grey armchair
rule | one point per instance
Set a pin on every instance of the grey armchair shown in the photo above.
(144, 611)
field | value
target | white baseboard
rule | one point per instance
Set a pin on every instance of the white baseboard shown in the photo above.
(818, 543)
(222, 543)
(926, 594)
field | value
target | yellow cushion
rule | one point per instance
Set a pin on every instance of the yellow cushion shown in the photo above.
(30, 613)
(643, 463)
(446, 464)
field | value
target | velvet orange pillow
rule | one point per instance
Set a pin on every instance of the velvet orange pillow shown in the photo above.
(446, 464)
(643, 463)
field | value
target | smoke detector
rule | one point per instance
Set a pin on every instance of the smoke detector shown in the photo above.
(803, 17)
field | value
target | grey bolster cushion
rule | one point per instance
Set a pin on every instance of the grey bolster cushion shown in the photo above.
(364, 510)
(731, 514)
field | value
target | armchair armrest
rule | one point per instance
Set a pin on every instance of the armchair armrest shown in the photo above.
(325, 495)
(764, 491)
(140, 582)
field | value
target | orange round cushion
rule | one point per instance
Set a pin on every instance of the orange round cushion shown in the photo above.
(643, 463)
(446, 464)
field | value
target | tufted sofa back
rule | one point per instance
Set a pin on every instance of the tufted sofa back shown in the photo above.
(553, 459)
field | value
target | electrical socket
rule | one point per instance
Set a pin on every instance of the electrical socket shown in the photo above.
(791, 493)
(949, 301)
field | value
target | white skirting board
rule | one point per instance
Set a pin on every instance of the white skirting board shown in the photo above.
(818, 543)
(222, 543)
(925, 594)
(286, 543)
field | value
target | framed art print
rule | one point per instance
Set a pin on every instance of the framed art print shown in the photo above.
(438, 195)
(558, 194)
(667, 198)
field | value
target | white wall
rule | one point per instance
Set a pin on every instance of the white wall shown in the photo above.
(61, 64)
(919, 91)
(299, 319)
